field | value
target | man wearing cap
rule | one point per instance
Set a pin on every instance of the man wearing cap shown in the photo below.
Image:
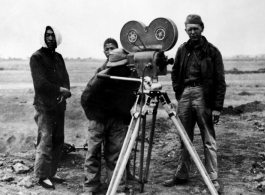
(52, 88)
(106, 104)
(199, 83)
(109, 45)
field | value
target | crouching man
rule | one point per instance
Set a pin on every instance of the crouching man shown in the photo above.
(107, 104)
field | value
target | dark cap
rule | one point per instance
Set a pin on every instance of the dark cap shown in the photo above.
(117, 57)
(194, 19)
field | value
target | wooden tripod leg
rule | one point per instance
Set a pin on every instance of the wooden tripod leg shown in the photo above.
(188, 144)
(149, 153)
(141, 179)
(122, 153)
(123, 158)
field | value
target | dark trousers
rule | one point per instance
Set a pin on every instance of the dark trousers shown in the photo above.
(193, 109)
(49, 142)
(112, 131)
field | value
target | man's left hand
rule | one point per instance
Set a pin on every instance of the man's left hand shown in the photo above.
(216, 115)
(60, 99)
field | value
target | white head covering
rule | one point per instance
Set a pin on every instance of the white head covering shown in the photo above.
(58, 36)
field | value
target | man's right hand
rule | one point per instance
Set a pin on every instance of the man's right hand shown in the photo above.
(65, 92)
(216, 115)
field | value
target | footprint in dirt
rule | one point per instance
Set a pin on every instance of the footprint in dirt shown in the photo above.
(2, 146)
(11, 139)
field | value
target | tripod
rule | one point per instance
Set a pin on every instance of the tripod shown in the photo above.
(155, 97)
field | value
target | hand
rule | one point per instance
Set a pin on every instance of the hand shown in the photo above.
(65, 92)
(135, 111)
(216, 115)
(60, 99)
(173, 107)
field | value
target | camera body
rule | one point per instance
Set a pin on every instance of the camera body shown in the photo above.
(146, 45)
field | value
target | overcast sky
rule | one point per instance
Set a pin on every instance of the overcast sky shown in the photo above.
(234, 26)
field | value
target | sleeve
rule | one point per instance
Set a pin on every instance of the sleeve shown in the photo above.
(102, 67)
(219, 81)
(66, 81)
(41, 84)
(176, 70)
(84, 100)
(85, 96)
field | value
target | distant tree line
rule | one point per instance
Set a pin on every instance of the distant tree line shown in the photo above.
(11, 59)
(66, 59)
(260, 57)
(82, 59)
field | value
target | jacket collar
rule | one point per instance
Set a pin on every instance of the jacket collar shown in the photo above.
(47, 50)
(204, 44)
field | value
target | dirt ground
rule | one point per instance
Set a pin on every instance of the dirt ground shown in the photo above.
(240, 139)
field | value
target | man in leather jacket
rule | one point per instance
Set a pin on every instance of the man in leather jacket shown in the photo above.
(199, 83)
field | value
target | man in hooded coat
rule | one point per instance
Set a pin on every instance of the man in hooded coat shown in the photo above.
(52, 88)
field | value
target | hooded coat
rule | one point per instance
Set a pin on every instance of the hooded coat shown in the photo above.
(49, 74)
(103, 97)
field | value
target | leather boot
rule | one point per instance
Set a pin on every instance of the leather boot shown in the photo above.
(174, 181)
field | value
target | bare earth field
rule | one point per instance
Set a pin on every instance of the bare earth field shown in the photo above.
(240, 135)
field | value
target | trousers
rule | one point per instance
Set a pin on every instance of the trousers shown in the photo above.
(50, 141)
(193, 109)
(112, 132)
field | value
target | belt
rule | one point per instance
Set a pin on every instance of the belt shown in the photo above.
(193, 84)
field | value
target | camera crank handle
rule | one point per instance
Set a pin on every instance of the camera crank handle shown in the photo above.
(165, 63)
(170, 61)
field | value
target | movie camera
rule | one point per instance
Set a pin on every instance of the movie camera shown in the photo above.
(146, 46)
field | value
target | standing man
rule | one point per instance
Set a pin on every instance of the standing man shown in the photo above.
(52, 88)
(199, 84)
(107, 104)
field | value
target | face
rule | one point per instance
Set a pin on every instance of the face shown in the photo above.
(109, 47)
(194, 31)
(50, 39)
